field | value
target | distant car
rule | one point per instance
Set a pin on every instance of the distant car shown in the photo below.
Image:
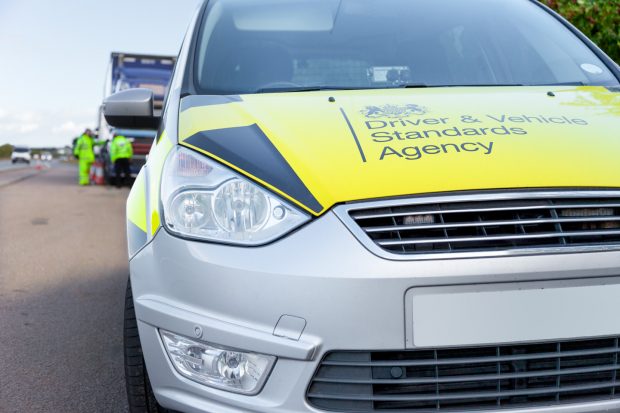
(46, 156)
(21, 154)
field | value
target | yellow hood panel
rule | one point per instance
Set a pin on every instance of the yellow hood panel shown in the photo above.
(385, 143)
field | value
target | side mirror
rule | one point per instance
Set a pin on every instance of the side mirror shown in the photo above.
(131, 108)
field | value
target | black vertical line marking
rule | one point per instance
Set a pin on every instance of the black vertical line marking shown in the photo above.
(357, 142)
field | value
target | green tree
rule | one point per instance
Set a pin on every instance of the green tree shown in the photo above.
(5, 151)
(597, 19)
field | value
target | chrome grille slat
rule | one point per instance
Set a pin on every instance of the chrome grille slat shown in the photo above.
(476, 395)
(488, 224)
(468, 379)
(456, 379)
(499, 209)
(493, 359)
(405, 241)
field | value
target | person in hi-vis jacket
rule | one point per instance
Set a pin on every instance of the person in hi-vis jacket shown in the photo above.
(85, 154)
(120, 155)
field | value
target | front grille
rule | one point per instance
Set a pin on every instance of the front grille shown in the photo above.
(552, 222)
(467, 379)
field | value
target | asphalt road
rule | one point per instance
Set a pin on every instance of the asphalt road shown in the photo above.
(10, 174)
(7, 164)
(63, 272)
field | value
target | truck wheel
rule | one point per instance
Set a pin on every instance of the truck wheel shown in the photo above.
(140, 395)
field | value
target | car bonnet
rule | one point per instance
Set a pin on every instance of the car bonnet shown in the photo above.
(318, 149)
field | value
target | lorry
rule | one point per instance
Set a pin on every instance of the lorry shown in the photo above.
(126, 71)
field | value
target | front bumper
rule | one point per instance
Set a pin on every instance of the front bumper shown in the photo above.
(349, 298)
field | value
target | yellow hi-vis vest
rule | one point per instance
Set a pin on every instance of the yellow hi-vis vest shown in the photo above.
(120, 148)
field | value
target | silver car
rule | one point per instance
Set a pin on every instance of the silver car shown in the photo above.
(377, 206)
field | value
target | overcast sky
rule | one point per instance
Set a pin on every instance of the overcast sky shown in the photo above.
(54, 56)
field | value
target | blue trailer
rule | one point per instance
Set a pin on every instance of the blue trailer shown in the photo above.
(136, 70)
(131, 70)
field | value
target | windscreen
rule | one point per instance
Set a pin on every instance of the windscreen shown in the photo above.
(21, 150)
(249, 46)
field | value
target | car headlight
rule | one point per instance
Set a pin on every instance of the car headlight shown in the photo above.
(204, 200)
(226, 369)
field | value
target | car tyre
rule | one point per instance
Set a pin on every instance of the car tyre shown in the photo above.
(140, 396)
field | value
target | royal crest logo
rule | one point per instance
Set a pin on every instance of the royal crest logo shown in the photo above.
(393, 111)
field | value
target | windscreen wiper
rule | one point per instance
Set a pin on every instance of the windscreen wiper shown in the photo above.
(424, 85)
(319, 88)
(403, 86)
(307, 89)
(577, 83)
(516, 84)
(488, 85)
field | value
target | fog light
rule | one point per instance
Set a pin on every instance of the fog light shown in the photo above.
(226, 369)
